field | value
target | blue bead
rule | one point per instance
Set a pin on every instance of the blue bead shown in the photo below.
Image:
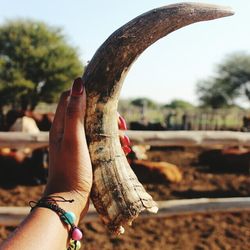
(70, 217)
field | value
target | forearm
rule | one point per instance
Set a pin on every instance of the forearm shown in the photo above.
(70, 177)
(42, 229)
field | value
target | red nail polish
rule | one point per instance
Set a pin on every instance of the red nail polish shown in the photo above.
(126, 140)
(126, 149)
(122, 123)
(77, 87)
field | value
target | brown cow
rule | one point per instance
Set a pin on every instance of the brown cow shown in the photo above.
(150, 171)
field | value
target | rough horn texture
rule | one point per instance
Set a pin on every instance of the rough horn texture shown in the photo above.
(117, 194)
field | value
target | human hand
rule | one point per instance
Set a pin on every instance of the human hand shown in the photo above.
(70, 171)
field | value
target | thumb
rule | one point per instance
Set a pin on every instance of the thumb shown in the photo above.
(75, 112)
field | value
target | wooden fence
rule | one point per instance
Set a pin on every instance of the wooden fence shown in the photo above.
(12, 216)
(153, 138)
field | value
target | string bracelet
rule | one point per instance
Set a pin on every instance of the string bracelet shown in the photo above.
(67, 218)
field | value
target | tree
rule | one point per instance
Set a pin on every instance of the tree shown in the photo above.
(36, 63)
(178, 103)
(232, 80)
(144, 103)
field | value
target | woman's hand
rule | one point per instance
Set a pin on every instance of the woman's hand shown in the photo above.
(70, 176)
(70, 171)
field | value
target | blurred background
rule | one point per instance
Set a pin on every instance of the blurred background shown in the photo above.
(196, 79)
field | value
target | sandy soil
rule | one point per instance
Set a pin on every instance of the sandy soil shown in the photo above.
(209, 231)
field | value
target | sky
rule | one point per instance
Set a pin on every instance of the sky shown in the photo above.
(167, 70)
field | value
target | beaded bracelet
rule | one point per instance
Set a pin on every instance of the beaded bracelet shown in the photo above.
(68, 218)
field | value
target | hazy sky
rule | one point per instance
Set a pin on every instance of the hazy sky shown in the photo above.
(167, 70)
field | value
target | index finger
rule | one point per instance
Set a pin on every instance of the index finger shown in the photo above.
(57, 128)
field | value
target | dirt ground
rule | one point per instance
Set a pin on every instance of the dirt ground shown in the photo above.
(202, 177)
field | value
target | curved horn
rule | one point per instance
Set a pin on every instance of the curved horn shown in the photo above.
(116, 193)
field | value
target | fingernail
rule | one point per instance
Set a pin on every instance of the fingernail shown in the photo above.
(126, 140)
(77, 87)
(126, 149)
(122, 123)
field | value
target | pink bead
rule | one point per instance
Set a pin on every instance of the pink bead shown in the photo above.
(76, 234)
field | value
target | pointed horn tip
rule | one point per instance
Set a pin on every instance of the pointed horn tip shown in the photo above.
(222, 10)
(226, 10)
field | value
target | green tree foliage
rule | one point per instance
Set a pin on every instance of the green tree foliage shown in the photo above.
(144, 102)
(178, 103)
(232, 80)
(36, 63)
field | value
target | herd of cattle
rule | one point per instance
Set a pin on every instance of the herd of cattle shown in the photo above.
(24, 166)
(14, 119)
(169, 124)
(190, 123)
(27, 166)
(44, 121)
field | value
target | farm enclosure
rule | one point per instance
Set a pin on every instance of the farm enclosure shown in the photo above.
(208, 231)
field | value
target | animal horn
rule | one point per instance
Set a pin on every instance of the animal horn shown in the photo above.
(116, 193)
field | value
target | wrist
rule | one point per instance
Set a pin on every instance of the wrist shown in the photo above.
(58, 205)
(79, 205)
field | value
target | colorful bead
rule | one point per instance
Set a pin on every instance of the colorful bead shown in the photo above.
(74, 245)
(76, 234)
(70, 217)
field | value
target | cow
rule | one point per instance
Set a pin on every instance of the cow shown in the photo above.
(156, 172)
(24, 165)
(25, 124)
(231, 159)
(153, 126)
(152, 171)
(43, 121)
(18, 167)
